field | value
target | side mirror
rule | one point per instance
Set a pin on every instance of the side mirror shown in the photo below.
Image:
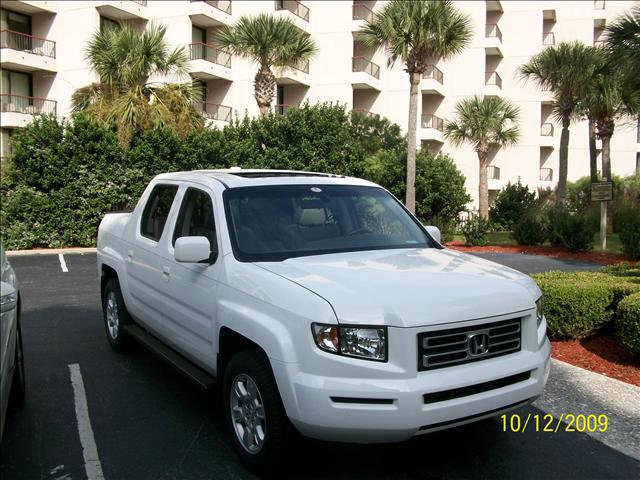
(434, 232)
(192, 249)
(8, 297)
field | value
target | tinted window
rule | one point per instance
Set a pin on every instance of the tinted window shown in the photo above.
(277, 222)
(157, 210)
(196, 218)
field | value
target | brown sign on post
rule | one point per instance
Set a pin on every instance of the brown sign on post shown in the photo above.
(601, 191)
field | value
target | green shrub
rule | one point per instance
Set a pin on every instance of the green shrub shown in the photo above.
(475, 231)
(627, 222)
(532, 228)
(572, 231)
(510, 204)
(578, 303)
(628, 323)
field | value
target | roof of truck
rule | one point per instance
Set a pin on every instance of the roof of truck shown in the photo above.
(240, 177)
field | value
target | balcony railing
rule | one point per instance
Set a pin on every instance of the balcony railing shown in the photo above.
(546, 130)
(431, 121)
(493, 172)
(222, 5)
(548, 38)
(213, 111)
(434, 73)
(209, 53)
(294, 7)
(29, 105)
(302, 66)
(27, 43)
(282, 108)
(362, 64)
(599, 43)
(493, 31)
(140, 2)
(363, 111)
(546, 174)
(598, 4)
(362, 12)
(492, 78)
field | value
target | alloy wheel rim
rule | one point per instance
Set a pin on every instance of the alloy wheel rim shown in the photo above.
(113, 322)
(248, 414)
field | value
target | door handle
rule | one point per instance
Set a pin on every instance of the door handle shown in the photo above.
(166, 273)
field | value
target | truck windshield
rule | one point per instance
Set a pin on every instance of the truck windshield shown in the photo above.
(273, 223)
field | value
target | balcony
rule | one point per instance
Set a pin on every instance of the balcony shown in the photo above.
(493, 40)
(19, 110)
(431, 128)
(282, 108)
(123, 10)
(546, 130)
(493, 172)
(294, 75)
(598, 4)
(214, 114)
(362, 12)
(599, 43)
(208, 62)
(548, 38)
(29, 7)
(432, 82)
(27, 53)
(298, 12)
(363, 111)
(546, 175)
(494, 6)
(493, 83)
(209, 14)
(366, 74)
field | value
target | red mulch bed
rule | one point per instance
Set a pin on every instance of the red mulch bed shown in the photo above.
(556, 252)
(599, 353)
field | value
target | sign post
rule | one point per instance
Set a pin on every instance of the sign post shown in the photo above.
(602, 192)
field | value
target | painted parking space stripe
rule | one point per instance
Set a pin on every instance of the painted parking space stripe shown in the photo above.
(92, 465)
(63, 263)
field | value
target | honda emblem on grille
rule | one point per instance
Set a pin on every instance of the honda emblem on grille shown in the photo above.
(478, 344)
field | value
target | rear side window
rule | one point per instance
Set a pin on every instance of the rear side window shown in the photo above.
(157, 210)
(196, 218)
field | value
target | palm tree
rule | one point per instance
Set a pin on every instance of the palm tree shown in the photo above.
(124, 60)
(270, 42)
(418, 33)
(487, 123)
(623, 42)
(562, 69)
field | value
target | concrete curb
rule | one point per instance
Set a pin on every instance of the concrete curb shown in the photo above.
(574, 390)
(51, 251)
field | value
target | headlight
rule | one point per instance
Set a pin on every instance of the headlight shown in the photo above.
(369, 343)
(539, 313)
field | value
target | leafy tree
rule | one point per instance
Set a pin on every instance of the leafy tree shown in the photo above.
(124, 60)
(487, 123)
(270, 42)
(562, 69)
(417, 33)
(511, 203)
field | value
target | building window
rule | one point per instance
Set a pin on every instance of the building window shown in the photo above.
(16, 83)
(107, 23)
(15, 22)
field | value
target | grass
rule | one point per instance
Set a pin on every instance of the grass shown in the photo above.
(503, 239)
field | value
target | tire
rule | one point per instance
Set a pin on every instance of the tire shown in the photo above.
(17, 395)
(115, 316)
(268, 455)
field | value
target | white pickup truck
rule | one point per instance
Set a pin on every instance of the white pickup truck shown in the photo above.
(317, 303)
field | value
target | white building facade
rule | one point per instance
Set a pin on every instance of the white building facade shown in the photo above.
(43, 62)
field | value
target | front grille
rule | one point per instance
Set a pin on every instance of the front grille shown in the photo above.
(443, 395)
(445, 348)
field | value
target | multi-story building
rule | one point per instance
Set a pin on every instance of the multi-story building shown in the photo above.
(43, 62)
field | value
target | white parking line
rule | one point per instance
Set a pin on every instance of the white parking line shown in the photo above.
(63, 264)
(92, 465)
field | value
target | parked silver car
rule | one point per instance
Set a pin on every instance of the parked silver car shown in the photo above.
(11, 356)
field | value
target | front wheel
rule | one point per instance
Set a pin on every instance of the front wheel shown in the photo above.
(115, 316)
(254, 413)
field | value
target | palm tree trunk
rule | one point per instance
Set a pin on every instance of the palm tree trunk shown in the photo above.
(606, 158)
(593, 157)
(410, 201)
(561, 191)
(264, 86)
(483, 187)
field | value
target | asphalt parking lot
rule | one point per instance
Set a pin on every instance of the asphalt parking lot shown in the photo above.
(150, 423)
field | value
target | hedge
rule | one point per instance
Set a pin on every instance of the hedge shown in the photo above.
(628, 323)
(578, 303)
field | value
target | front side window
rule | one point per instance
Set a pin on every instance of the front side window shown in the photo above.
(196, 218)
(156, 211)
(278, 222)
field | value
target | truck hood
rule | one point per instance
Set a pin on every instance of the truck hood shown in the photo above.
(410, 287)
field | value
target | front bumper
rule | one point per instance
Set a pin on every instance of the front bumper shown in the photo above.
(365, 410)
